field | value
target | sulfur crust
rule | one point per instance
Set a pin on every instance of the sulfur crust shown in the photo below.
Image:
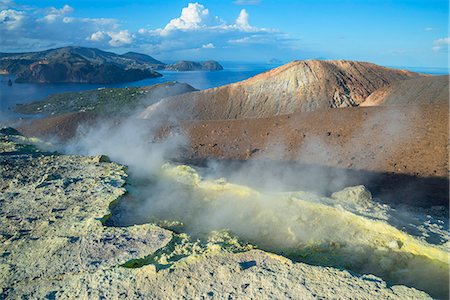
(318, 232)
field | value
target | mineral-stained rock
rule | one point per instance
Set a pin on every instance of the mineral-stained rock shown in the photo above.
(220, 276)
(54, 245)
(354, 194)
(50, 215)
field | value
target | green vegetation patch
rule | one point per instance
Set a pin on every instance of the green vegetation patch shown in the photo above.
(107, 100)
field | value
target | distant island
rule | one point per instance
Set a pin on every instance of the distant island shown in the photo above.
(89, 65)
(275, 61)
(184, 65)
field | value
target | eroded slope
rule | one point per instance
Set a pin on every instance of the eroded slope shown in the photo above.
(426, 90)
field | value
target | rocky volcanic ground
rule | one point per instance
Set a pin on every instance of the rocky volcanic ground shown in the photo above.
(410, 140)
(54, 243)
(391, 149)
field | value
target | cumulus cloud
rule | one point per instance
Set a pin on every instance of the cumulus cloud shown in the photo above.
(66, 9)
(115, 39)
(194, 16)
(98, 36)
(54, 13)
(11, 19)
(196, 28)
(120, 38)
(441, 44)
(208, 46)
(242, 21)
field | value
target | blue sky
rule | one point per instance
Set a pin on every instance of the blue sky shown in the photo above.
(392, 33)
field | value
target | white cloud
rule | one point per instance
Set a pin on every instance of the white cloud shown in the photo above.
(242, 21)
(54, 14)
(196, 28)
(98, 36)
(66, 9)
(208, 46)
(253, 39)
(194, 16)
(28, 28)
(11, 19)
(120, 38)
(443, 41)
(429, 29)
(441, 44)
(114, 38)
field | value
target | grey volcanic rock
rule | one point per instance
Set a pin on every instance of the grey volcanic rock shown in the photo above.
(355, 194)
(426, 90)
(184, 65)
(298, 86)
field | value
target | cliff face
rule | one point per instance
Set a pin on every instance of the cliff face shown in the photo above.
(426, 90)
(81, 72)
(297, 86)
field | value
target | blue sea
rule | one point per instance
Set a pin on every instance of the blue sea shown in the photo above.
(233, 72)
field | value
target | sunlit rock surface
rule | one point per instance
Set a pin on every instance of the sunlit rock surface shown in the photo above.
(54, 243)
(51, 212)
(347, 231)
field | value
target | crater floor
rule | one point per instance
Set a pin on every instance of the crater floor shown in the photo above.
(54, 244)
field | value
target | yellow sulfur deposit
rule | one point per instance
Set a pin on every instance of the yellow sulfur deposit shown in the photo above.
(313, 229)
